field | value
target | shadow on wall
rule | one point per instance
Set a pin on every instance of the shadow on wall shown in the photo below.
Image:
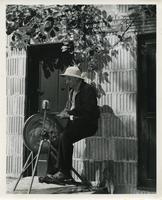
(98, 154)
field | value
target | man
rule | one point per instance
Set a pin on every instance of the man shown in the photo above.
(83, 113)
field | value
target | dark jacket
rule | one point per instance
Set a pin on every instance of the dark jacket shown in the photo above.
(86, 104)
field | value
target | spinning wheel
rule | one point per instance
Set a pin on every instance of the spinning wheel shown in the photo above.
(34, 131)
(40, 130)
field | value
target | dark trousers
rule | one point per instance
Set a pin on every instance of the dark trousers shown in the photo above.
(74, 131)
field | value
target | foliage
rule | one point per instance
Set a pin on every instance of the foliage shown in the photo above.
(143, 10)
(85, 26)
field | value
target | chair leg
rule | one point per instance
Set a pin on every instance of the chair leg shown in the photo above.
(83, 179)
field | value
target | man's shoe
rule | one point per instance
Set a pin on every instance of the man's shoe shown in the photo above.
(50, 180)
(61, 176)
(45, 179)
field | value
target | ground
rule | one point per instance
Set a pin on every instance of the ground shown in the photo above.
(43, 188)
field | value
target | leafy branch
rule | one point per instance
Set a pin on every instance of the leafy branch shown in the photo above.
(86, 26)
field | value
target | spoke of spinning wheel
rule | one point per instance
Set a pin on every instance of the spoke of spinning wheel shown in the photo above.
(54, 149)
(23, 170)
(35, 166)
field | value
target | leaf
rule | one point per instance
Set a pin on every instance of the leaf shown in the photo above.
(13, 38)
(108, 58)
(101, 77)
(50, 19)
(64, 48)
(108, 24)
(46, 70)
(52, 33)
(91, 74)
(106, 75)
(120, 37)
(47, 26)
(114, 52)
(56, 28)
(104, 13)
(109, 18)
(25, 29)
(100, 90)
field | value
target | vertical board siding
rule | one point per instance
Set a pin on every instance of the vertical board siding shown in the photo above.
(14, 155)
(116, 138)
(15, 96)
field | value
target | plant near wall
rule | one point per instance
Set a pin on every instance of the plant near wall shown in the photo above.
(137, 16)
(82, 29)
(82, 24)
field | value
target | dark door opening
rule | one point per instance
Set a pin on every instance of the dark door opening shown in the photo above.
(146, 112)
(42, 79)
(45, 62)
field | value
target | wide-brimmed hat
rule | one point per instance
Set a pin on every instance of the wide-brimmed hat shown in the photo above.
(73, 71)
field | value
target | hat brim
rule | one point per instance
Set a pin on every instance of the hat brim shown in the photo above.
(75, 76)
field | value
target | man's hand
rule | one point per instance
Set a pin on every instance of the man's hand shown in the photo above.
(63, 115)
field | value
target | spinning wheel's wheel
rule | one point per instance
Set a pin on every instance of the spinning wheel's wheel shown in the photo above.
(32, 132)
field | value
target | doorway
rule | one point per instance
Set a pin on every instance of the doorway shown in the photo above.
(146, 112)
(45, 62)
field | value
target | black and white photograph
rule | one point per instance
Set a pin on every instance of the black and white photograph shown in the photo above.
(81, 93)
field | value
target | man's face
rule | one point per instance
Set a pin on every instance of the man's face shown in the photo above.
(71, 81)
